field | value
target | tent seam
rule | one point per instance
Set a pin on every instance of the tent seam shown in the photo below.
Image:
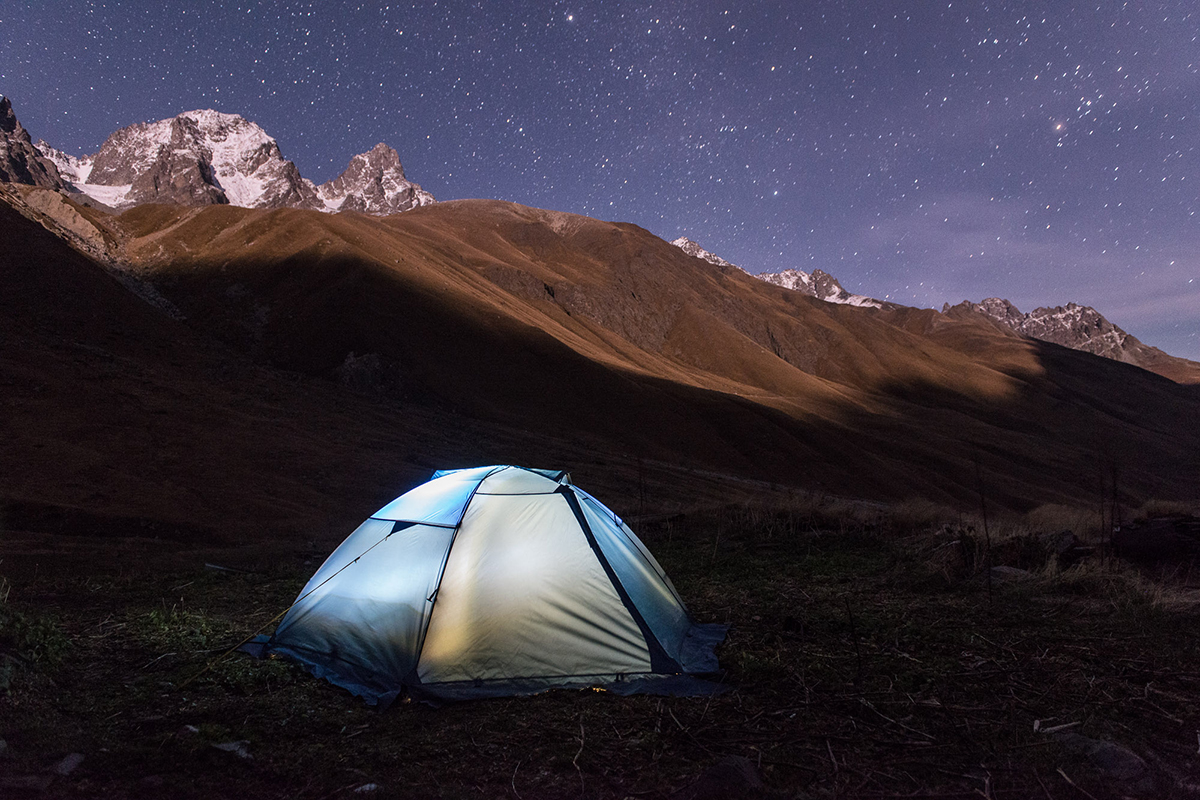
(437, 587)
(660, 660)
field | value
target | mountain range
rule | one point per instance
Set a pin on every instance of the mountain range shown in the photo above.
(205, 371)
(206, 157)
(1075, 326)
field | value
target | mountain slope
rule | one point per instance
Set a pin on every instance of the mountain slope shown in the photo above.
(121, 422)
(557, 323)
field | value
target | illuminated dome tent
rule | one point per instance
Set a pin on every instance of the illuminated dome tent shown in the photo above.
(495, 581)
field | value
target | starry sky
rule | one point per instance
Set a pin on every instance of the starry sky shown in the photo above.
(923, 151)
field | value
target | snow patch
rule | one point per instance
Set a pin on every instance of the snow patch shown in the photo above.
(108, 195)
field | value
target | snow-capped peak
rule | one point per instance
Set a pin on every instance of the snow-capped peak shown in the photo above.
(375, 183)
(818, 284)
(205, 157)
(693, 249)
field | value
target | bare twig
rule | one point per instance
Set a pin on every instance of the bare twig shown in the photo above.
(575, 760)
(867, 703)
(1075, 786)
(160, 658)
(854, 636)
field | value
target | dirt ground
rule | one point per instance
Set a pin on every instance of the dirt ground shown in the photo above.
(862, 662)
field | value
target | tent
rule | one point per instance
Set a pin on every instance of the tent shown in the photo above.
(494, 581)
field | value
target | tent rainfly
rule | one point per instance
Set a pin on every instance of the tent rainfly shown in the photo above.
(495, 581)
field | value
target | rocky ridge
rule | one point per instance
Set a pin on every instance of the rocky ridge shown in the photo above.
(1075, 326)
(20, 160)
(696, 251)
(1081, 328)
(818, 284)
(206, 157)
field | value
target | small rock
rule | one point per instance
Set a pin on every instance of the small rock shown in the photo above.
(1111, 759)
(237, 748)
(68, 764)
(731, 778)
(1005, 574)
(368, 788)
(3, 748)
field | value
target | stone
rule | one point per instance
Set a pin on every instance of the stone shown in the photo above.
(237, 748)
(1008, 574)
(68, 764)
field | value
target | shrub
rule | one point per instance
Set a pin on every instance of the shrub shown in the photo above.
(28, 642)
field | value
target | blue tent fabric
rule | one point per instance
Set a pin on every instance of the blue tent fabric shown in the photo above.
(494, 581)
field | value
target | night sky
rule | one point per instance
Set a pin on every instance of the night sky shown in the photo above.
(919, 151)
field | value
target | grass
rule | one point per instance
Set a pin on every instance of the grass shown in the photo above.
(860, 665)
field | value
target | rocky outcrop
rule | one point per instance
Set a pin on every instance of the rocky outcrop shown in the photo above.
(374, 183)
(20, 161)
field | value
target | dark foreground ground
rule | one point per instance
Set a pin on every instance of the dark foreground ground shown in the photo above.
(867, 658)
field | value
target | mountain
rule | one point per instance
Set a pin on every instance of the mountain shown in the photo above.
(215, 370)
(819, 284)
(1074, 326)
(600, 334)
(1081, 328)
(20, 161)
(696, 251)
(374, 183)
(206, 157)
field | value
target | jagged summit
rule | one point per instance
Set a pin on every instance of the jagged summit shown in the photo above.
(207, 157)
(375, 183)
(201, 157)
(20, 161)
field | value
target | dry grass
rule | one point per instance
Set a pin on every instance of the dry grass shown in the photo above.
(1084, 522)
(1167, 508)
